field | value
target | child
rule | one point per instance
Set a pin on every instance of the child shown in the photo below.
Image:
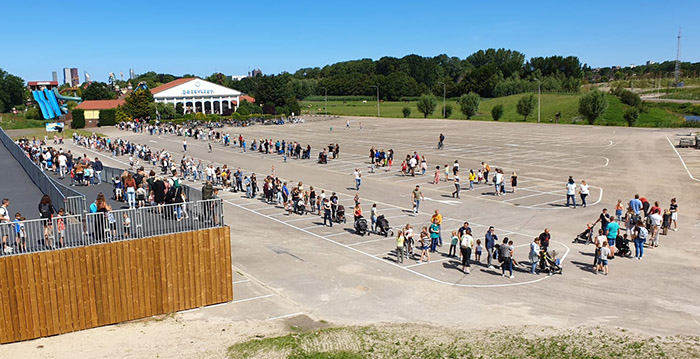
(479, 176)
(447, 172)
(512, 256)
(61, 226)
(425, 244)
(618, 210)
(118, 189)
(127, 225)
(453, 244)
(603, 259)
(141, 196)
(477, 254)
(21, 235)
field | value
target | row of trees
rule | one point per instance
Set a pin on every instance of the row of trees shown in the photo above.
(652, 71)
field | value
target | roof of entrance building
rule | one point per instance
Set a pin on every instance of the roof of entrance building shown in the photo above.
(171, 84)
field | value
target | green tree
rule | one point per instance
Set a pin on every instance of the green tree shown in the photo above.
(139, 104)
(497, 112)
(526, 105)
(12, 91)
(631, 115)
(406, 111)
(121, 115)
(592, 105)
(469, 104)
(180, 109)
(166, 110)
(78, 118)
(630, 98)
(32, 114)
(447, 110)
(427, 104)
(98, 91)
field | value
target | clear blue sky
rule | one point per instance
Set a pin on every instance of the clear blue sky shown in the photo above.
(202, 37)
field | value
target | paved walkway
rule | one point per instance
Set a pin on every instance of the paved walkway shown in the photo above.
(18, 187)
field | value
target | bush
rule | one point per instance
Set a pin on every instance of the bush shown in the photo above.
(592, 105)
(426, 104)
(406, 112)
(526, 105)
(448, 111)
(32, 114)
(631, 115)
(630, 98)
(108, 117)
(469, 104)
(78, 118)
(497, 112)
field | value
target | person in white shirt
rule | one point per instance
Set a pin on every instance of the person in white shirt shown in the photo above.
(62, 165)
(358, 179)
(571, 192)
(584, 192)
(656, 220)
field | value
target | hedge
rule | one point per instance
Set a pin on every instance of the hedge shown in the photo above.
(108, 117)
(78, 118)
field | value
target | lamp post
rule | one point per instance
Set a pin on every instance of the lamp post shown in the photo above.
(538, 99)
(377, 98)
(325, 98)
(444, 91)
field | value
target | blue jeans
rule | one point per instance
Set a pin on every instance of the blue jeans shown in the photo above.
(131, 196)
(327, 217)
(433, 244)
(358, 182)
(471, 185)
(417, 203)
(572, 198)
(533, 265)
(638, 248)
(440, 234)
(507, 264)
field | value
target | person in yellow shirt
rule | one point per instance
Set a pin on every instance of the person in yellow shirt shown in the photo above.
(472, 178)
(438, 217)
(399, 246)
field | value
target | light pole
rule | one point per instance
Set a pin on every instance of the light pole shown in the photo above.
(377, 98)
(538, 99)
(325, 97)
(444, 110)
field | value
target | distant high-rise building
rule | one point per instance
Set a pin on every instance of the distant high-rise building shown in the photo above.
(132, 74)
(650, 62)
(254, 73)
(74, 77)
(66, 76)
(54, 76)
(87, 77)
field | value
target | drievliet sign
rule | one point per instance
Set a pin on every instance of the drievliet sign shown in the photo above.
(54, 127)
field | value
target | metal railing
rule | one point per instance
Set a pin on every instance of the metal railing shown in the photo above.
(35, 173)
(70, 231)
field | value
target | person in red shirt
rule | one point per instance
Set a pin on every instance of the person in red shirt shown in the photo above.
(645, 206)
(655, 208)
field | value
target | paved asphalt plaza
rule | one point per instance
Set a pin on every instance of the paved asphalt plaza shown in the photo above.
(285, 265)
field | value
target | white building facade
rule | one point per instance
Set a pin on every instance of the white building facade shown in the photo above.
(197, 95)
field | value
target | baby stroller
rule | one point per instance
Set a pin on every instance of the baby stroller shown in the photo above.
(585, 237)
(322, 158)
(549, 263)
(623, 247)
(361, 226)
(340, 214)
(300, 207)
(383, 228)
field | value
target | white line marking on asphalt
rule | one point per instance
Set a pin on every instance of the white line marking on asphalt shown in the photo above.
(253, 298)
(285, 316)
(241, 281)
(681, 158)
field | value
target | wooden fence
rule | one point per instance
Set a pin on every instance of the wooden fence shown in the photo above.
(55, 292)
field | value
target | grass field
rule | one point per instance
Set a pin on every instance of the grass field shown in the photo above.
(566, 104)
(415, 341)
(692, 93)
(18, 127)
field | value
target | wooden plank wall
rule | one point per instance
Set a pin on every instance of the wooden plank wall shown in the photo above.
(48, 293)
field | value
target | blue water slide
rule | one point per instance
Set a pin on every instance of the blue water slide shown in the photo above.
(52, 102)
(66, 98)
(42, 104)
